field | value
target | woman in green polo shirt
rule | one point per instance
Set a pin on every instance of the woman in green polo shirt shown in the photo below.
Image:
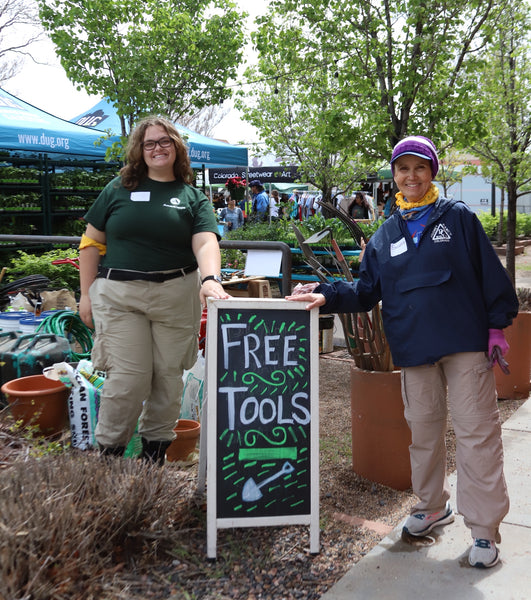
(150, 237)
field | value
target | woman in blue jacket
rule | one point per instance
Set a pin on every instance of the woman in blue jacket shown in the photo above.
(446, 299)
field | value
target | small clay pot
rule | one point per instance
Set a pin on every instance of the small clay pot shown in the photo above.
(187, 433)
(37, 400)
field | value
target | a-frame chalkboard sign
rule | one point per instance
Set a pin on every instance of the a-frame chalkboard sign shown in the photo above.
(262, 416)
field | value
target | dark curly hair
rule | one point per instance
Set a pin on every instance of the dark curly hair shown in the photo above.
(136, 169)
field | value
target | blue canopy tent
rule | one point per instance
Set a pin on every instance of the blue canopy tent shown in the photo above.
(203, 151)
(27, 130)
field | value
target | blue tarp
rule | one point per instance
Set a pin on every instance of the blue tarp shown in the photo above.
(203, 151)
(26, 129)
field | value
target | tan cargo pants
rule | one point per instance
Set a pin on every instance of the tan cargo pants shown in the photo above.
(465, 384)
(146, 334)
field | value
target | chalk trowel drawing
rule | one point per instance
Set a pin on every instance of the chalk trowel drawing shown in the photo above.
(251, 490)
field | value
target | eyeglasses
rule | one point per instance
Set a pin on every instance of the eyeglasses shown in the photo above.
(164, 142)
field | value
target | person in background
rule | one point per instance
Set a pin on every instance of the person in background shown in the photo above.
(284, 206)
(246, 206)
(260, 201)
(359, 207)
(150, 236)
(295, 207)
(219, 201)
(232, 216)
(388, 203)
(274, 204)
(446, 299)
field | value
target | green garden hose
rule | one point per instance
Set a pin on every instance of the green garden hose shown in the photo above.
(69, 325)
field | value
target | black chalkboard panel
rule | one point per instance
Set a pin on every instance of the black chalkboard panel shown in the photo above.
(262, 358)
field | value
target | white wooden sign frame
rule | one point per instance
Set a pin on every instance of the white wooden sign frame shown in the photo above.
(213, 522)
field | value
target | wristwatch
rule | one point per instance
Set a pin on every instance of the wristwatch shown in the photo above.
(214, 277)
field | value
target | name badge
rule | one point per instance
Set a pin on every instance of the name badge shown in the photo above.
(140, 196)
(399, 247)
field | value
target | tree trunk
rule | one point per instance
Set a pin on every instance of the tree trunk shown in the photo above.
(502, 215)
(511, 228)
(327, 199)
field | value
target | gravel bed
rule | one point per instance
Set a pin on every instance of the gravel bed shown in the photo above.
(274, 563)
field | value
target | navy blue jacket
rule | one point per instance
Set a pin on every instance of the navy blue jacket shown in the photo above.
(439, 298)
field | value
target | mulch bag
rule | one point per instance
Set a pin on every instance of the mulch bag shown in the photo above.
(192, 399)
(83, 405)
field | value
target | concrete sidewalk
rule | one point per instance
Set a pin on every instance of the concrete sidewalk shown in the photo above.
(396, 570)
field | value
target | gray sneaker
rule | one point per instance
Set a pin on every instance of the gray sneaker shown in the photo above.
(483, 554)
(421, 524)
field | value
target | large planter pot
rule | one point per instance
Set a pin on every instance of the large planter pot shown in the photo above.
(185, 442)
(39, 401)
(380, 434)
(516, 385)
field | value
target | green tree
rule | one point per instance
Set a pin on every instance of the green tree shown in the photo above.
(19, 29)
(504, 87)
(298, 123)
(292, 102)
(454, 168)
(170, 57)
(356, 77)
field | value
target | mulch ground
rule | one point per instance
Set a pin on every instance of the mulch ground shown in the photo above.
(272, 563)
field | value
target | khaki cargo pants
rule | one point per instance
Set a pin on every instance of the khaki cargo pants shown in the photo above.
(465, 384)
(146, 334)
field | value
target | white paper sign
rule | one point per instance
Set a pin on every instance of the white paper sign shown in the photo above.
(263, 262)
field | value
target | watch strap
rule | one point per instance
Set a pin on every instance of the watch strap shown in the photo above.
(213, 277)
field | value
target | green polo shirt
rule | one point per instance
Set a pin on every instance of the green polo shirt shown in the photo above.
(151, 228)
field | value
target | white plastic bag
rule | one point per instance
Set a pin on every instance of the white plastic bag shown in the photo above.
(192, 398)
(83, 405)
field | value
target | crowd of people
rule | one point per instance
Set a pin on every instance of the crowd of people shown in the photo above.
(259, 205)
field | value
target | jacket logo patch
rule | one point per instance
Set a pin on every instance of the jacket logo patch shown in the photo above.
(441, 233)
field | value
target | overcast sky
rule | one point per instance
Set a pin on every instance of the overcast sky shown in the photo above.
(48, 88)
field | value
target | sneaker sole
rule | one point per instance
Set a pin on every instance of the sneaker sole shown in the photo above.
(480, 565)
(443, 521)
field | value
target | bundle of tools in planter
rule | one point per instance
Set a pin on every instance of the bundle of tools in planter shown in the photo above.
(364, 334)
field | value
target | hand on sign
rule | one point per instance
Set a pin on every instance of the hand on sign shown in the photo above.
(304, 288)
(314, 300)
(212, 289)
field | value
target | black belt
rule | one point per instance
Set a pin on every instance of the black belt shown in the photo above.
(157, 276)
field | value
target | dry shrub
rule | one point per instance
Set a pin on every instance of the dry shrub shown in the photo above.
(68, 523)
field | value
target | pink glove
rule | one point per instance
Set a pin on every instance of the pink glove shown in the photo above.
(498, 347)
(497, 338)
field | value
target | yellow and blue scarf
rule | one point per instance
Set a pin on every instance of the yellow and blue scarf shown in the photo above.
(416, 213)
(414, 210)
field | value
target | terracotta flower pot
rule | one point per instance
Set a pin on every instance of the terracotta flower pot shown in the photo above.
(37, 400)
(185, 442)
(380, 434)
(516, 385)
